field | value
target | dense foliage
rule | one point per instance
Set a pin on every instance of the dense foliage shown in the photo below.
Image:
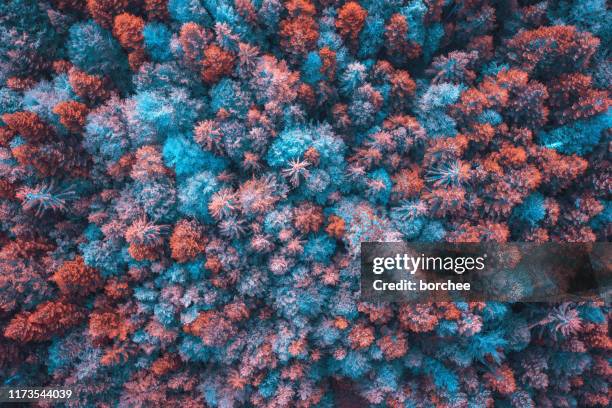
(184, 185)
